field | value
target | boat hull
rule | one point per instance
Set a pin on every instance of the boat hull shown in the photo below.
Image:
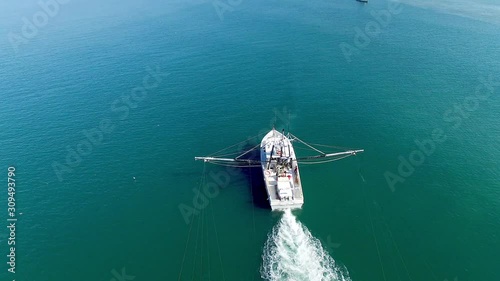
(281, 172)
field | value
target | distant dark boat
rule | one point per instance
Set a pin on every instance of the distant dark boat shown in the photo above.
(362, 1)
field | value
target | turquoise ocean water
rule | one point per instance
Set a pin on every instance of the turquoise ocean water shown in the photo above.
(264, 63)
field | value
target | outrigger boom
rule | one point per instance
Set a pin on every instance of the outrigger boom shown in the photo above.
(280, 167)
(349, 152)
(208, 159)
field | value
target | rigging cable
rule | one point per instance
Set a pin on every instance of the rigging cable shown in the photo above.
(191, 225)
(332, 146)
(397, 248)
(218, 245)
(234, 145)
(373, 233)
(307, 144)
(196, 247)
(202, 225)
(208, 250)
(253, 148)
(234, 165)
(324, 161)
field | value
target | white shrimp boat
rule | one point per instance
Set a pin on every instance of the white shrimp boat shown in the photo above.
(280, 167)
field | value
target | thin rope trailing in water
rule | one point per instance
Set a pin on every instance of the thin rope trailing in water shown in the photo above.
(307, 144)
(202, 180)
(387, 242)
(374, 235)
(361, 175)
(360, 159)
(432, 271)
(202, 235)
(396, 269)
(397, 248)
(208, 252)
(427, 264)
(324, 161)
(234, 145)
(196, 246)
(218, 245)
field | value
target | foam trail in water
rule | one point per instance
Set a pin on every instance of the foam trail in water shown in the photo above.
(291, 253)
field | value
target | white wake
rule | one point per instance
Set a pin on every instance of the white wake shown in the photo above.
(291, 253)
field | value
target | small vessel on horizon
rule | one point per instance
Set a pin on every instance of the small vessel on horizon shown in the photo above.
(280, 167)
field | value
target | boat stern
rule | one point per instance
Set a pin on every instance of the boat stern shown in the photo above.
(281, 205)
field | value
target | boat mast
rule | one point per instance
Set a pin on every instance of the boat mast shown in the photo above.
(270, 157)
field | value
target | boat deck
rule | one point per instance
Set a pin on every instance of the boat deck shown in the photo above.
(281, 173)
(295, 201)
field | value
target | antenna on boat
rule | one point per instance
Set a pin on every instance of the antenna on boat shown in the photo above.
(275, 118)
(288, 125)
